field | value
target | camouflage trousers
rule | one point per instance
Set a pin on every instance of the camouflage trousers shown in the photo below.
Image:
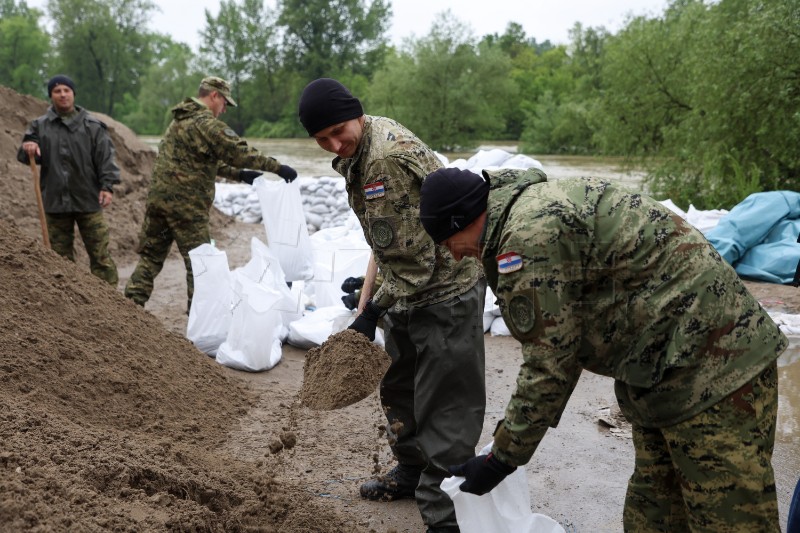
(711, 473)
(161, 227)
(95, 235)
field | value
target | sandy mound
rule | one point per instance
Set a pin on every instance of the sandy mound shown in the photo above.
(107, 420)
(344, 370)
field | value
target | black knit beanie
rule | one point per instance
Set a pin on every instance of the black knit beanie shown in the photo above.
(326, 102)
(59, 79)
(450, 200)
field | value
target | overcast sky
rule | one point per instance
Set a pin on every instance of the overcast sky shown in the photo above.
(541, 19)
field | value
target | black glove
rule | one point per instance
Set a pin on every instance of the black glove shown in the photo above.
(248, 176)
(352, 284)
(367, 322)
(287, 173)
(482, 473)
(350, 301)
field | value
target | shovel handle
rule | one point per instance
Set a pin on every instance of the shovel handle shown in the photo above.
(38, 189)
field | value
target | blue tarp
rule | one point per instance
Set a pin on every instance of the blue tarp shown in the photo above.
(759, 236)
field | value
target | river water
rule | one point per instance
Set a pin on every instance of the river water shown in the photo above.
(310, 160)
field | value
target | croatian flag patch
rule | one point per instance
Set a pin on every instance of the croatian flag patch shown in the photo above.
(374, 190)
(509, 262)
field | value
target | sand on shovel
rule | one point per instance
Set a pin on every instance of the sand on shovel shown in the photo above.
(346, 368)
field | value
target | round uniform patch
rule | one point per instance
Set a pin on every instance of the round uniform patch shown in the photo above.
(229, 132)
(521, 310)
(382, 233)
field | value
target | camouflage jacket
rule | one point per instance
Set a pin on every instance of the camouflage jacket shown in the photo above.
(195, 149)
(589, 276)
(383, 179)
(77, 160)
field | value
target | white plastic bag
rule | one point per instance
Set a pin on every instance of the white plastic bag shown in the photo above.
(506, 509)
(339, 253)
(316, 326)
(253, 341)
(210, 314)
(285, 224)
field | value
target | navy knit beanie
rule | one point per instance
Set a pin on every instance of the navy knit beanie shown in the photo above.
(450, 200)
(326, 102)
(59, 79)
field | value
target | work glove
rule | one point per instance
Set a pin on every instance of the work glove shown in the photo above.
(482, 473)
(352, 284)
(287, 173)
(367, 322)
(248, 176)
(350, 301)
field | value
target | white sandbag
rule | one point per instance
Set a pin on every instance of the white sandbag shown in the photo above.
(264, 269)
(210, 313)
(285, 224)
(499, 328)
(506, 509)
(487, 158)
(490, 309)
(253, 341)
(339, 253)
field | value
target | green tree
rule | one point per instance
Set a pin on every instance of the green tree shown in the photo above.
(103, 45)
(238, 44)
(333, 38)
(24, 47)
(444, 87)
(168, 80)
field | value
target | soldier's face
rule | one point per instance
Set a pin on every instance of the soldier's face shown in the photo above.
(63, 98)
(342, 139)
(218, 104)
(467, 242)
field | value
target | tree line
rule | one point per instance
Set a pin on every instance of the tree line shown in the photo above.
(705, 96)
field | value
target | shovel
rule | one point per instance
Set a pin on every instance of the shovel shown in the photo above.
(38, 189)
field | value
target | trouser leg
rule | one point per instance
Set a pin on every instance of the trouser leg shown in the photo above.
(155, 240)
(61, 233)
(95, 234)
(189, 234)
(448, 389)
(722, 461)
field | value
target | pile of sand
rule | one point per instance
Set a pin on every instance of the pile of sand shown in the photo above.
(345, 369)
(107, 420)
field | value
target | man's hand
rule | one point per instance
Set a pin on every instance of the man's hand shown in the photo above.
(248, 176)
(287, 173)
(367, 322)
(32, 149)
(482, 473)
(105, 198)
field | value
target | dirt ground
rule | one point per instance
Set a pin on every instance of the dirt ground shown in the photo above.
(110, 420)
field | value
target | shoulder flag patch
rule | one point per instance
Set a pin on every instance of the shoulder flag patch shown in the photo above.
(509, 262)
(374, 190)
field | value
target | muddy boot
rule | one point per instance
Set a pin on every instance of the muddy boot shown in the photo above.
(399, 482)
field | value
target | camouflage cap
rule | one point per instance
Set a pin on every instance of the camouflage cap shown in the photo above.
(213, 83)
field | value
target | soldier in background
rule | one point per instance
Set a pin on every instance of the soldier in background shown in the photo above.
(77, 178)
(589, 276)
(433, 393)
(195, 149)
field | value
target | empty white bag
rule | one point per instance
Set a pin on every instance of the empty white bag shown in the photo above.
(285, 224)
(210, 313)
(506, 509)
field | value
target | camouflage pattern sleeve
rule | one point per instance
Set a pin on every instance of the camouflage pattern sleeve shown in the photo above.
(537, 288)
(231, 149)
(403, 250)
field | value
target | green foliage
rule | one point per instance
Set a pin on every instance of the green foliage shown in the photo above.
(444, 87)
(23, 49)
(103, 46)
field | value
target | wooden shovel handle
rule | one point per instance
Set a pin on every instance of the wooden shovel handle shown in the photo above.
(38, 188)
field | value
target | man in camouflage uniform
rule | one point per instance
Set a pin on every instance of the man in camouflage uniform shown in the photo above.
(589, 276)
(77, 178)
(196, 147)
(434, 390)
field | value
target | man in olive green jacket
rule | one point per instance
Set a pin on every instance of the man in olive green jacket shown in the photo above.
(590, 276)
(77, 177)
